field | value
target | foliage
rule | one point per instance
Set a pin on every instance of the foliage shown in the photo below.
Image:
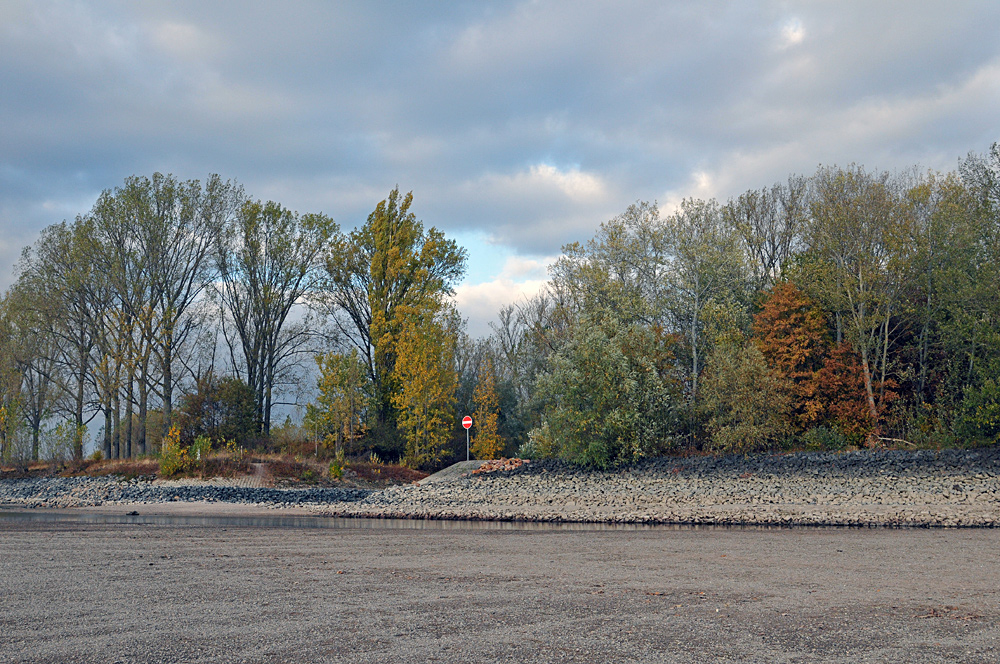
(824, 438)
(486, 444)
(342, 403)
(200, 449)
(791, 333)
(841, 388)
(746, 404)
(611, 396)
(377, 276)
(979, 416)
(220, 409)
(426, 381)
(174, 457)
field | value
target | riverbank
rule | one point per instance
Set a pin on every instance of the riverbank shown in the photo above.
(887, 488)
(948, 488)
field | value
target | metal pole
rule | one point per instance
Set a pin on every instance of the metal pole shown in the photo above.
(466, 444)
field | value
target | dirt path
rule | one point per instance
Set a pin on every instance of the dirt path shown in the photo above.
(70, 592)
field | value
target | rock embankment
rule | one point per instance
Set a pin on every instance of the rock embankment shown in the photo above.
(96, 491)
(888, 488)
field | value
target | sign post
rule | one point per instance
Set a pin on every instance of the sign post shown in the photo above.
(467, 423)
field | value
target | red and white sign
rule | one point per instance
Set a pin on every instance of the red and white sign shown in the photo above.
(467, 422)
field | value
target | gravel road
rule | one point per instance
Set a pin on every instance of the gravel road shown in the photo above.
(115, 593)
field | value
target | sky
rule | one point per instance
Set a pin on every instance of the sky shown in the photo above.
(518, 126)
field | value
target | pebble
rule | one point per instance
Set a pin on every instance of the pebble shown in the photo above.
(952, 488)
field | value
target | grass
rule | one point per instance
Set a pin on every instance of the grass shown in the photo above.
(282, 469)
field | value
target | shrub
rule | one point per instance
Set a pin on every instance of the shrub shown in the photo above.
(747, 405)
(174, 457)
(200, 449)
(822, 438)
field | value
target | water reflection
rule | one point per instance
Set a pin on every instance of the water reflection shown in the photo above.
(35, 516)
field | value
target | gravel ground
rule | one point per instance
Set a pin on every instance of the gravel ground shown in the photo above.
(889, 488)
(96, 491)
(926, 488)
(76, 593)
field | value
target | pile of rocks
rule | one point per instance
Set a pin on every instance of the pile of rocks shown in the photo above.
(94, 491)
(893, 488)
(925, 488)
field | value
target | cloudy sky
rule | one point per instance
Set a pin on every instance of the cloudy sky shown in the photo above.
(519, 126)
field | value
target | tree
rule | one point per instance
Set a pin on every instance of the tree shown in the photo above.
(770, 223)
(791, 333)
(747, 404)
(621, 272)
(268, 259)
(858, 236)
(220, 408)
(705, 267)
(610, 395)
(486, 444)
(34, 354)
(58, 272)
(426, 380)
(380, 274)
(344, 395)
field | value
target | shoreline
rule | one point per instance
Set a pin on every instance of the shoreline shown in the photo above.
(890, 489)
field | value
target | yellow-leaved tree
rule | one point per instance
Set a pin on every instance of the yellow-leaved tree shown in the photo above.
(343, 399)
(426, 380)
(487, 443)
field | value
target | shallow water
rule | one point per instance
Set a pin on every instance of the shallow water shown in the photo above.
(9, 515)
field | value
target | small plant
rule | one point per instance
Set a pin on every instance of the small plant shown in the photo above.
(200, 448)
(337, 465)
(822, 438)
(174, 458)
(373, 459)
(98, 455)
(309, 475)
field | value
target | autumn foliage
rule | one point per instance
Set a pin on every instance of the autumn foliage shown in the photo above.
(827, 383)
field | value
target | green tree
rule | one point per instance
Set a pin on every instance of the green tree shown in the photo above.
(747, 405)
(379, 275)
(58, 272)
(610, 395)
(344, 395)
(705, 267)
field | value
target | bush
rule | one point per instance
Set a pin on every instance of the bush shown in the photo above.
(609, 397)
(747, 405)
(174, 457)
(979, 417)
(200, 449)
(822, 438)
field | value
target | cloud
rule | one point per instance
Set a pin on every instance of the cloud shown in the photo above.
(528, 123)
(792, 33)
(519, 280)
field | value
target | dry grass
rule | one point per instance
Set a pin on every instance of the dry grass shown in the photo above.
(283, 469)
(385, 473)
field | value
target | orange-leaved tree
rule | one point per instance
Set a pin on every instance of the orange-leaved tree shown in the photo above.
(791, 332)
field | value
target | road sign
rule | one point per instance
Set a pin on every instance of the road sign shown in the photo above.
(467, 423)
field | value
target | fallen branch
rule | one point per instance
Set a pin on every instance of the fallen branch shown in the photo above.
(897, 440)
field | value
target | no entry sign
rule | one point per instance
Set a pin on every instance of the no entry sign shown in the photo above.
(467, 422)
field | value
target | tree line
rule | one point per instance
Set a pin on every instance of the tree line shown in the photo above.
(847, 308)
